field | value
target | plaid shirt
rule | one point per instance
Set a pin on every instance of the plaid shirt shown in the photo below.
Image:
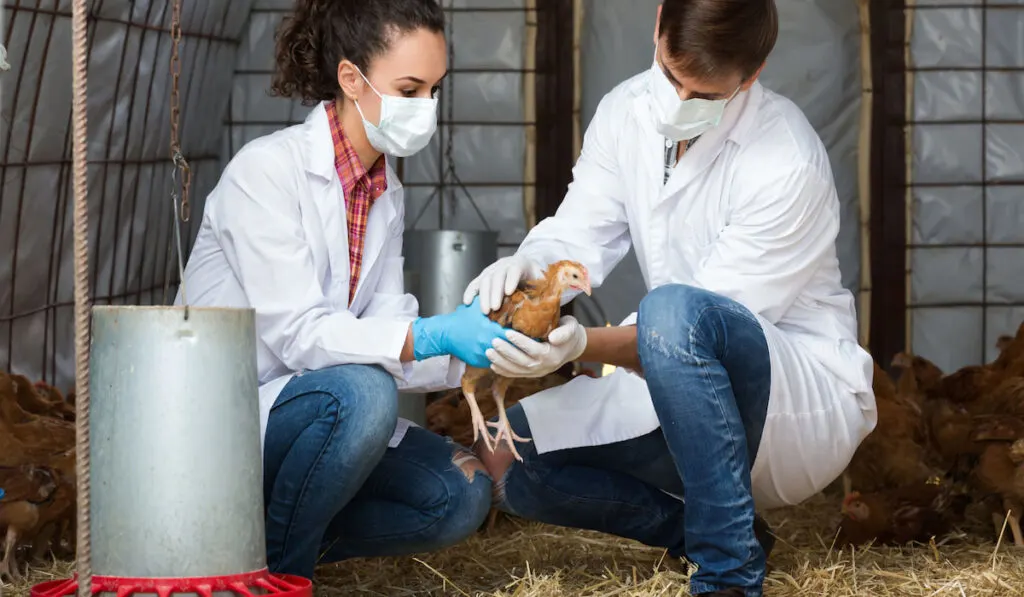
(360, 187)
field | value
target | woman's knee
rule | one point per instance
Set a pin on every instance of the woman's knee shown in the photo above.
(363, 397)
(466, 491)
(365, 394)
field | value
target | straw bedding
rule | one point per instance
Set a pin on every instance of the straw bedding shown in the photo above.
(524, 559)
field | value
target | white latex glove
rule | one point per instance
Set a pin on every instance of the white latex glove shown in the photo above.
(525, 357)
(500, 279)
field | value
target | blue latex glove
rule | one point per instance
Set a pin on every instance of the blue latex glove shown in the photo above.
(465, 333)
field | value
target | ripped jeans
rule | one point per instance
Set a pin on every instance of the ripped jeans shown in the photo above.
(333, 490)
(706, 363)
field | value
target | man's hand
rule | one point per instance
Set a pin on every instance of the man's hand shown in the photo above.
(525, 357)
(499, 280)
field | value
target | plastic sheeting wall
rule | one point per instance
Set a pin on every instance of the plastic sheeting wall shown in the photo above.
(967, 179)
(129, 171)
(226, 64)
(816, 63)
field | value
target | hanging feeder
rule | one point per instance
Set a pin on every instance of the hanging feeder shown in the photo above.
(176, 470)
(170, 496)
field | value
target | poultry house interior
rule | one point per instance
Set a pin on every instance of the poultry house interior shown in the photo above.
(917, 105)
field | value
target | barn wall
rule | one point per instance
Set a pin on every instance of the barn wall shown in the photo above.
(966, 238)
(816, 63)
(128, 148)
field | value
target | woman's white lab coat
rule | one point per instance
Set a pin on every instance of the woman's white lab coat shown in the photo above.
(750, 212)
(274, 237)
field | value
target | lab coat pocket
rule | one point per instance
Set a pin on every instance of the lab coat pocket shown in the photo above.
(690, 247)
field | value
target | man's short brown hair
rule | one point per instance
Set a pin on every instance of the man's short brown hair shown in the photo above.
(707, 39)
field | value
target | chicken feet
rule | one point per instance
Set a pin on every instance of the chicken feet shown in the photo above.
(479, 424)
(9, 565)
(1013, 512)
(1007, 516)
(502, 426)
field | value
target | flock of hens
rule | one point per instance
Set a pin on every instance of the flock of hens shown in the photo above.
(942, 442)
(37, 472)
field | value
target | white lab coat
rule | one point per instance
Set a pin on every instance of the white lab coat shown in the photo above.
(750, 212)
(274, 237)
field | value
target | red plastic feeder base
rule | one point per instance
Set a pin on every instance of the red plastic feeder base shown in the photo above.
(251, 584)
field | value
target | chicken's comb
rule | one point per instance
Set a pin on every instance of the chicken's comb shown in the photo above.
(853, 495)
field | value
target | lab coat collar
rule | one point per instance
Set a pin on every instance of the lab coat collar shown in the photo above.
(319, 145)
(735, 122)
(320, 148)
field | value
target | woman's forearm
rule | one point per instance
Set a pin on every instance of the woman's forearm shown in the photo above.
(408, 355)
(613, 346)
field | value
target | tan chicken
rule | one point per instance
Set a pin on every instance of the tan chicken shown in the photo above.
(1000, 471)
(26, 488)
(950, 428)
(894, 453)
(534, 310)
(59, 406)
(914, 512)
(1011, 351)
(918, 376)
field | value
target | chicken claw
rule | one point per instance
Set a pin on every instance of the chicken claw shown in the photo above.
(479, 425)
(504, 432)
(503, 427)
(9, 565)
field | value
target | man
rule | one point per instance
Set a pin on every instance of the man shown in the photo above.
(743, 381)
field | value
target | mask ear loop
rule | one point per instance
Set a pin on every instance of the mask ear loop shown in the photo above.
(374, 89)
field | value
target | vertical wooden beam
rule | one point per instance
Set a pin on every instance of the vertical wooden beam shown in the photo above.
(555, 84)
(555, 80)
(888, 180)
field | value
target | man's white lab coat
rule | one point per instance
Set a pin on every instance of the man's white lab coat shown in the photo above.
(750, 212)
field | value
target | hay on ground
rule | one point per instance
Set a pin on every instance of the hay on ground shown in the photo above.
(524, 559)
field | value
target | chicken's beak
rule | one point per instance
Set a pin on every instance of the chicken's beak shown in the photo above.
(584, 287)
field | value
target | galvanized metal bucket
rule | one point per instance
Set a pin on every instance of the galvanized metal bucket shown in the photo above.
(176, 466)
(439, 264)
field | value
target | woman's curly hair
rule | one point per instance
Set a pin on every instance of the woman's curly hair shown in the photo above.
(319, 34)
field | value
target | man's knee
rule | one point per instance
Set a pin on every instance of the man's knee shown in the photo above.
(669, 315)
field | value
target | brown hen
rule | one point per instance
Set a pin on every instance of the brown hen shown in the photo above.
(894, 453)
(26, 488)
(533, 310)
(1000, 470)
(914, 512)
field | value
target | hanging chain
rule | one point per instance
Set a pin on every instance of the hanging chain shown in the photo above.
(449, 116)
(176, 156)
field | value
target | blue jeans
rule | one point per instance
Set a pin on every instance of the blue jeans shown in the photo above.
(707, 367)
(333, 489)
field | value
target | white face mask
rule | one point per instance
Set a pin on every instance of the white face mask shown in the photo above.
(406, 123)
(682, 120)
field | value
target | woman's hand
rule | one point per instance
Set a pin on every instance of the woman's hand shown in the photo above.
(465, 333)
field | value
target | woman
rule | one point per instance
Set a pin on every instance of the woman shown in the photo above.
(305, 226)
